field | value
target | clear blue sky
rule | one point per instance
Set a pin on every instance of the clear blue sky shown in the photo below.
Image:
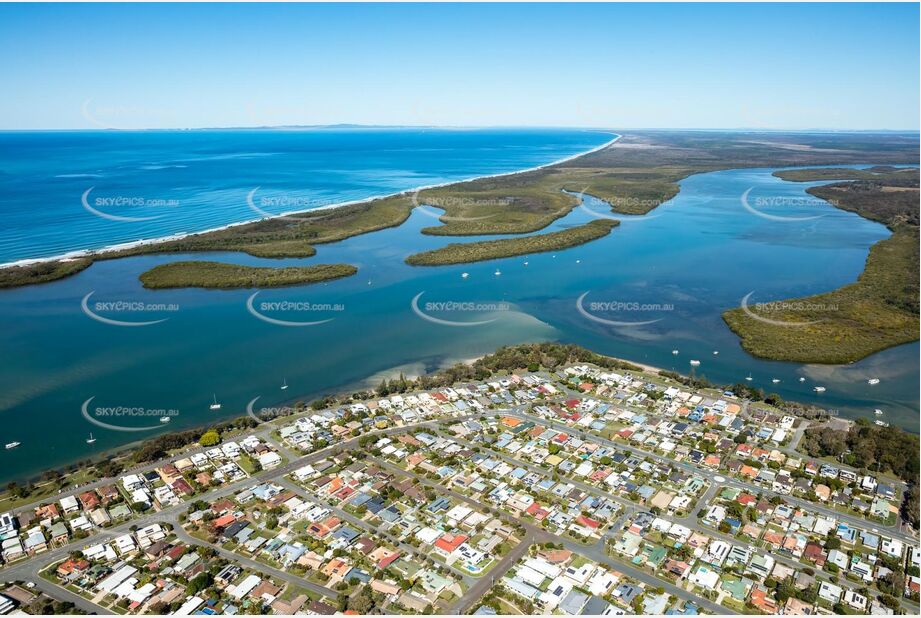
(842, 66)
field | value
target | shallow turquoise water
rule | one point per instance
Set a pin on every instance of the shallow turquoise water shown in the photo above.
(693, 257)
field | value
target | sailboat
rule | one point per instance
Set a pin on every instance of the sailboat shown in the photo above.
(498, 272)
(284, 385)
(91, 439)
(215, 405)
(715, 352)
(748, 378)
(464, 275)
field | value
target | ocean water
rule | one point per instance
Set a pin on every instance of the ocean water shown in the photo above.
(77, 190)
(658, 282)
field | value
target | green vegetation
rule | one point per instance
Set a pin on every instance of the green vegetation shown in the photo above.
(210, 438)
(634, 176)
(41, 272)
(225, 276)
(871, 447)
(461, 253)
(879, 310)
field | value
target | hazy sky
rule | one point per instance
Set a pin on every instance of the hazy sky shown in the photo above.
(762, 66)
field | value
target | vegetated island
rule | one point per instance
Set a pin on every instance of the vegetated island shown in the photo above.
(634, 175)
(880, 309)
(462, 253)
(228, 276)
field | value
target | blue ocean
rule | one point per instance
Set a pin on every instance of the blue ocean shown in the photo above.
(657, 284)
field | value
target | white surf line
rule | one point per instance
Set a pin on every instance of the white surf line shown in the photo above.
(81, 253)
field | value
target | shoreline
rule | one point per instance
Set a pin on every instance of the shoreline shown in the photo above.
(90, 253)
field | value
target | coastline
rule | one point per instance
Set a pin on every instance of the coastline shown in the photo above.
(85, 253)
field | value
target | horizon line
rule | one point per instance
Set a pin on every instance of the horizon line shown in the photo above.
(457, 127)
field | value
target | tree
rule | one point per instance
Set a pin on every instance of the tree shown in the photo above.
(210, 438)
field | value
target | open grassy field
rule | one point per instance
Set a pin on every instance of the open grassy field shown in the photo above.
(876, 312)
(227, 276)
(461, 253)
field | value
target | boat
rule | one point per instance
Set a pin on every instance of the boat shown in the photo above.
(525, 263)
(12, 445)
(819, 389)
(802, 379)
(881, 423)
(775, 380)
(748, 378)
(878, 412)
(578, 261)
(675, 352)
(715, 352)
(464, 275)
(215, 405)
(695, 363)
(91, 439)
(164, 419)
(284, 384)
(498, 272)
(873, 381)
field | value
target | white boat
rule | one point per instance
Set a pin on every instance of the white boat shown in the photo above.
(498, 272)
(91, 439)
(819, 389)
(748, 378)
(164, 419)
(284, 384)
(464, 275)
(878, 412)
(12, 445)
(695, 363)
(525, 263)
(675, 352)
(715, 352)
(215, 405)
(775, 380)
(873, 381)
(578, 261)
(802, 379)
(881, 423)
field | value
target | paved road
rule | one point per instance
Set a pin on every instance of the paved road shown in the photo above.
(591, 551)
(483, 584)
(255, 565)
(892, 531)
